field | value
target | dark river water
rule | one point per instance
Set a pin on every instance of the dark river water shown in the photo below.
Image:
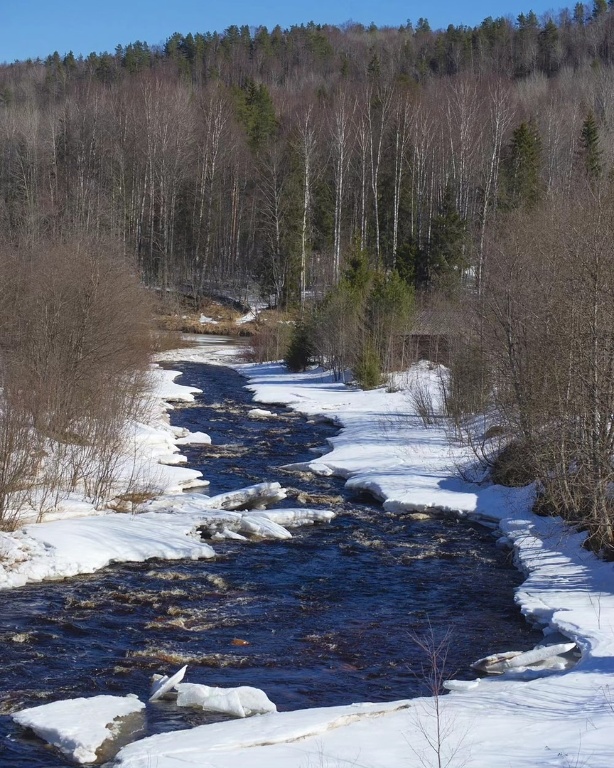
(325, 618)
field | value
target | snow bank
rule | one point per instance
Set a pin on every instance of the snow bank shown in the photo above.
(69, 547)
(165, 387)
(75, 537)
(79, 727)
(253, 740)
(170, 529)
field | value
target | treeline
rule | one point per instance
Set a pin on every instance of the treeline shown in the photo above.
(256, 158)
(278, 57)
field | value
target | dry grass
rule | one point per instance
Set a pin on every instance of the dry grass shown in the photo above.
(183, 316)
(189, 322)
(164, 341)
(129, 503)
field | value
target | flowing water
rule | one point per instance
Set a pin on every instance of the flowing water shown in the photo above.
(324, 618)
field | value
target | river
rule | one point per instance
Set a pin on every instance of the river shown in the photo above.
(325, 618)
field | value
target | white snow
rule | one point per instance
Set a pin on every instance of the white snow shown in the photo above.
(204, 320)
(69, 547)
(79, 727)
(255, 740)
(248, 317)
(167, 389)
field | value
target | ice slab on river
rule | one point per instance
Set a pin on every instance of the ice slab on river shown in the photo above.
(264, 524)
(165, 684)
(79, 727)
(194, 438)
(261, 494)
(242, 701)
(260, 413)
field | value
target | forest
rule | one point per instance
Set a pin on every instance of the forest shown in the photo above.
(261, 157)
(373, 180)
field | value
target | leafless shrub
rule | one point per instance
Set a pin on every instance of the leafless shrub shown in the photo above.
(76, 341)
(270, 340)
(466, 387)
(421, 399)
(445, 747)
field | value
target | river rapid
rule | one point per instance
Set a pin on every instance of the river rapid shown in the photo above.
(328, 617)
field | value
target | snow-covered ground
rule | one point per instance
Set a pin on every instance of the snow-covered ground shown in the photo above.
(541, 715)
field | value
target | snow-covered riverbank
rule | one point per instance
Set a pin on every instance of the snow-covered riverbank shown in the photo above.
(522, 718)
(75, 537)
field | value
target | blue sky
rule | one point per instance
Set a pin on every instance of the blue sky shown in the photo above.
(32, 28)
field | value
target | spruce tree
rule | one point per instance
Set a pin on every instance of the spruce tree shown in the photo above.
(579, 14)
(446, 250)
(523, 167)
(257, 113)
(591, 151)
(300, 350)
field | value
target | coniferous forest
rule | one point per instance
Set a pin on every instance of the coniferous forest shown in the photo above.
(465, 171)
